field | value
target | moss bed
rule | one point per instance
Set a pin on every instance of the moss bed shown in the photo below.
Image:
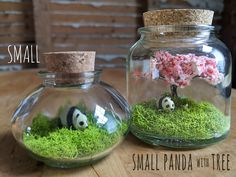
(196, 121)
(49, 140)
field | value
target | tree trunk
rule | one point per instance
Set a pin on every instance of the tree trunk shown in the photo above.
(173, 89)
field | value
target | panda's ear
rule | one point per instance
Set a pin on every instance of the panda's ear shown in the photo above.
(165, 100)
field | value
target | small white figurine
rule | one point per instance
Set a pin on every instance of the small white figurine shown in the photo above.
(106, 119)
(73, 117)
(28, 129)
(167, 104)
(185, 106)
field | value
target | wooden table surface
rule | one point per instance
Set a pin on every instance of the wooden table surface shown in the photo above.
(14, 161)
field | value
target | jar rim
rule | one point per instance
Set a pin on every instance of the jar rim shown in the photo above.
(175, 28)
(88, 74)
(82, 79)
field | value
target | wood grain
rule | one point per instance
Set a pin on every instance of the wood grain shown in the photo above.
(42, 23)
(100, 49)
(95, 18)
(93, 30)
(16, 27)
(16, 30)
(15, 6)
(14, 160)
(76, 40)
(90, 7)
(9, 18)
(55, 19)
(115, 1)
(14, 39)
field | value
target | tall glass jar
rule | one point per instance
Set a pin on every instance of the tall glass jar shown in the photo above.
(179, 86)
(71, 119)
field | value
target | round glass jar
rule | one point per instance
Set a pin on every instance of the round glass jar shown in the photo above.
(70, 120)
(179, 86)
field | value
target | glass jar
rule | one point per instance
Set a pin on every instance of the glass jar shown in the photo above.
(179, 86)
(71, 119)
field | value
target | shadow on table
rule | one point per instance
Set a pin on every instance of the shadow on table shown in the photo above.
(14, 161)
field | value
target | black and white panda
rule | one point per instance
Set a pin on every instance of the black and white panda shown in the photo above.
(166, 103)
(73, 117)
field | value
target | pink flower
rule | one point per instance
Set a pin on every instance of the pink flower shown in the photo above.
(179, 70)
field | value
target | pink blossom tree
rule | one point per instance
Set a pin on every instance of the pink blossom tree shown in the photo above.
(179, 70)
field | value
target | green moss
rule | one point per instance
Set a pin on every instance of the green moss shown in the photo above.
(47, 139)
(42, 125)
(189, 121)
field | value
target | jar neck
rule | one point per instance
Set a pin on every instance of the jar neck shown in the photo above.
(176, 33)
(81, 80)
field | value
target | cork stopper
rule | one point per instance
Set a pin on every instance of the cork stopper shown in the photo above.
(70, 62)
(178, 17)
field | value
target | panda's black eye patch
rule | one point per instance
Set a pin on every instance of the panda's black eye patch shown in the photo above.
(167, 106)
(77, 115)
(81, 123)
(165, 100)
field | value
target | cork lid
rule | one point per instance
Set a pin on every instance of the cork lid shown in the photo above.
(178, 17)
(70, 62)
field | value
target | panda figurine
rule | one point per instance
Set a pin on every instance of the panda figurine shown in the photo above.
(73, 117)
(166, 103)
